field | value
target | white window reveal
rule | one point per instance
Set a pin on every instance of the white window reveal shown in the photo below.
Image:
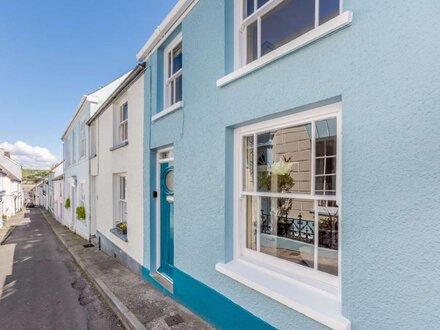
(123, 123)
(173, 72)
(287, 211)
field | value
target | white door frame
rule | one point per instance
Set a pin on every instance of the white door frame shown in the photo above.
(158, 162)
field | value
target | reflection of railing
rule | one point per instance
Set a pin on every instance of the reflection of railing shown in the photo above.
(292, 228)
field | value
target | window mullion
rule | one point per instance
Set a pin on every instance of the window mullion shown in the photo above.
(255, 165)
(313, 158)
(259, 37)
(316, 236)
(316, 13)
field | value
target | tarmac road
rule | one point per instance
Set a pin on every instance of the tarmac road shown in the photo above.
(41, 287)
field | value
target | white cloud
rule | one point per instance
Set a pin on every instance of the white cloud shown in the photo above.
(30, 157)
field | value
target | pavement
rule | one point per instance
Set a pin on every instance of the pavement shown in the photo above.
(10, 224)
(138, 304)
(41, 286)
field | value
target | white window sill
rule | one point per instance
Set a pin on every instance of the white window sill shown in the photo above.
(164, 112)
(316, 304)
(334, 24)
(120, 145)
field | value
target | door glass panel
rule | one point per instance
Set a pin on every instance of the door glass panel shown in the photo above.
(169, 181)
(328, 237)
(287, 21)
(284, 160)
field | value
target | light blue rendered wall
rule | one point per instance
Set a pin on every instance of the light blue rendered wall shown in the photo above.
(385, 69)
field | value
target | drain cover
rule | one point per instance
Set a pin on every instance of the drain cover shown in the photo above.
(88, 245)
(173, 320)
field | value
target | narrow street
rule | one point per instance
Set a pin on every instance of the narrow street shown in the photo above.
(42, 288)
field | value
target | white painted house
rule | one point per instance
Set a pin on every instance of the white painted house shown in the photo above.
(56, 190)
(116, 168)
(76, 161)
(11, 192)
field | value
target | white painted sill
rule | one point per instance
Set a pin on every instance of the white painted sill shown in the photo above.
(334, 24)
(314, 303)
(163, 113)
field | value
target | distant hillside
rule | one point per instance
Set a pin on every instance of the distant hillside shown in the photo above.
(33, 176)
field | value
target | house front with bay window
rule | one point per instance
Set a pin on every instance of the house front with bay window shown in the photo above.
(290, 149)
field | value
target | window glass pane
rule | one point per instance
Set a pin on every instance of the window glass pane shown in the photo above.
(328, 237)
(261, 2)
(252, 42)
(284, 160)
(252, 213)
(177, 58)
(327, 10)
(287, 21)
(125, 112)
(171, 89)
(179, 89)
(249, 7)
(325, 166)
(287, 229)
(248, 164)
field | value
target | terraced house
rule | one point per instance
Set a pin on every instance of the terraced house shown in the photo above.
(11, 189)
(275, 134)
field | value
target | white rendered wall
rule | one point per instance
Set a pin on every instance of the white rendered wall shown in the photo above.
(128, 160)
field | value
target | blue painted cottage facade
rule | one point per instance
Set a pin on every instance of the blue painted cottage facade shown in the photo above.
(291, 150)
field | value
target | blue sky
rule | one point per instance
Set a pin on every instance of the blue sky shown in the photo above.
(54, 51)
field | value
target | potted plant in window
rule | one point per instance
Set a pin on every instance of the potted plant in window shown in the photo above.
(122, 228)
(81, 213)
(67, 203)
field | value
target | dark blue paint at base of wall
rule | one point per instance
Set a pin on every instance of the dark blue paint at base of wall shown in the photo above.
(208, 303)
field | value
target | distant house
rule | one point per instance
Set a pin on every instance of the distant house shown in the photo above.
(56, 189)
(11, 192)
(76, 163)
(116, 169)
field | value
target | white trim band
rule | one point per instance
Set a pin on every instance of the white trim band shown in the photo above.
(334, 24)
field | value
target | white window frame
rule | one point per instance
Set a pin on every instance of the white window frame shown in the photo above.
(122, 201)
(247, 266)
(93, 139)
(241, 68)
(82, 140)
(168, 104)
(123, 123)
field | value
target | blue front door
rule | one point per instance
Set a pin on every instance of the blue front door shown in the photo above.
(167, 219)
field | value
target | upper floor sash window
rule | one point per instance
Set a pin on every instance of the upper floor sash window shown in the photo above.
(269, 24)
(173, 72)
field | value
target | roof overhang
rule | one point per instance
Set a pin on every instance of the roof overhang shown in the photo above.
(176, 15)
(123, 86)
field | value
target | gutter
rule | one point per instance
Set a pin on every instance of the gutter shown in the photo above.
(179, 11)
(131, 78)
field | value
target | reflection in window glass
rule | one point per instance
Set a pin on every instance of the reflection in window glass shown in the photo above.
(328, 9)
(286, 228)
(328, 237)
(284, 160)
(179, 89)
(287, 21)
(325, 160)
(248, 152)
(252, 212)
(252, 42)
(177, 58)
(249, 7)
